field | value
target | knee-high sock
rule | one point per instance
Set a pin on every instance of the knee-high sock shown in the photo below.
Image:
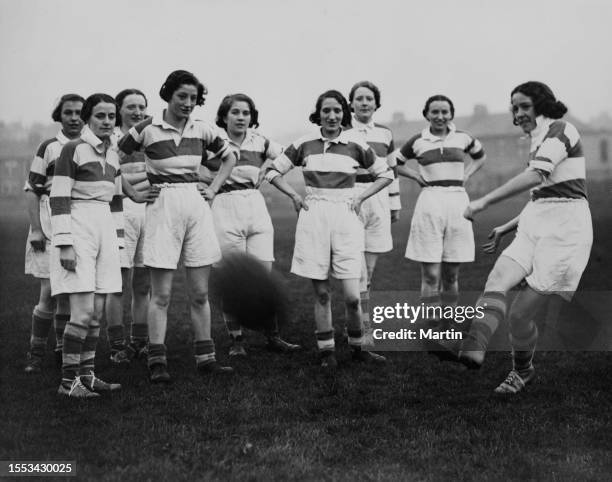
(139, 333)
(157, 355)
(88, 352)
(355, 339)
(59, 323)
(204, 352)
(364, 298)
(41, 323)
(74, 339)
(116, 338)
(493, 305)
(523, 340)
(325, 341)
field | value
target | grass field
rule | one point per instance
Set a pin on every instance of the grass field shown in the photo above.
(280, 418)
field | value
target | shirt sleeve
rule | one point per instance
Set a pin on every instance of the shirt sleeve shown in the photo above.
(377, 166)
(290, 158)
(394, 189)
(273, 149)
(406, 152)
(556, 146)
(475, 149)
(59, 200)
(37, 176)
(116, 207)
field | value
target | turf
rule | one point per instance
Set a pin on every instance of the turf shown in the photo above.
(280, 418)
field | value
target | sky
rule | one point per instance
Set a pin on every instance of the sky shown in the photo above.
(284, 53)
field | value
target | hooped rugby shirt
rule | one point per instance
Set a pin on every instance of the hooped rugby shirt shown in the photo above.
(441, 159)
(330, 166)
(251, 155)
(172, 157)
(380, 139)
(87, 170)
(42, 168)
(556, 153)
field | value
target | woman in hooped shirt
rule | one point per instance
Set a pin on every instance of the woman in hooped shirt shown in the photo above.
(329, 236)
(241, 217)
(87, 224)
(440, 238)
(179, 223)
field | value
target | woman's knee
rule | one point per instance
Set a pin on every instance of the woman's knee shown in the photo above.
(198, 297)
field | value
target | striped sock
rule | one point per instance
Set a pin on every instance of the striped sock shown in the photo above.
(364, 298)
(139, 333)
(523, 346)
(325, 341)
(355, 339)
(88, 352)
(41, 323)
(204, 352)
(157, 355)
(116, 338)
(432, 311)
(493, 306)
(74, 339)
(59, 323)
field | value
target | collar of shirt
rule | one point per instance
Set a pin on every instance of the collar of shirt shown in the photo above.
(61, 137)
(117, 134)
(341, 139)
(225, 136)
(158, 120)
(427, 134)
(94, 141)
(361, 126)
(541, 128)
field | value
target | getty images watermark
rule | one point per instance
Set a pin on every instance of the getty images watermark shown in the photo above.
(411, 314)
(400, 321)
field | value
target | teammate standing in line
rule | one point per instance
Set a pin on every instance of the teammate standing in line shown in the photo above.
(132, 105)
(378, 211)
(554, 236)
(242, 221)
(87, 227)
(38, 245)
(329, 235)
(179, 224)
(440, 238)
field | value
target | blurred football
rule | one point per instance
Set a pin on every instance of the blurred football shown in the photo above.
(241, 286)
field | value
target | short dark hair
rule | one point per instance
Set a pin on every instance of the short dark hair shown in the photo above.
(92, 101)
(226, 105)
(120, 97)
(544, 101)
(56, 115)
(315, 117)
(178, 78)
(368, 85)
(441, 98)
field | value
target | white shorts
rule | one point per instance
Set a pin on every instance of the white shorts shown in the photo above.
(179, 225)
(553, 244)
(328, 238)
(438, 230)
(97, 252)
(242, 223)
(37, 262)
(376, 218)
(134, 229)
